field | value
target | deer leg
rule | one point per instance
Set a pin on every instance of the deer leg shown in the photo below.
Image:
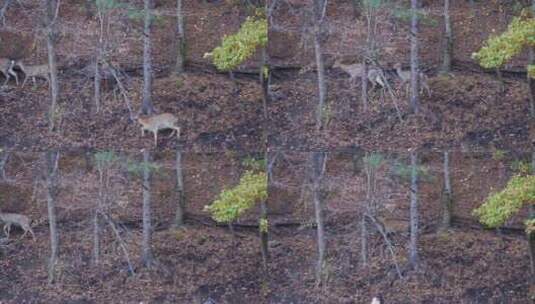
(7, 77)
(12, 72)
(156, 138)
(31, 232)
(25, 79)
(7, 230)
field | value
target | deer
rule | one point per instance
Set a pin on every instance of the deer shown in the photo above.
(405, 77)
(18, 219)
(6, 67)
(158, 122)
(375, 75)
(33, 71)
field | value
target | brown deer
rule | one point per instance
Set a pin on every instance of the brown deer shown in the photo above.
(18, 219)
(33, 71)
(375, 75)
(405, 77)
(159, 122)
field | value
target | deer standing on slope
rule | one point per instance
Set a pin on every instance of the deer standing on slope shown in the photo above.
(159, 122)
(375, 75)
(17, 219)
(33, 71)
(405, 77)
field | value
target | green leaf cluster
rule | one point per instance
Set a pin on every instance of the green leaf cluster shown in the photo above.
(500, 206)
(254, 164)
(500, 49)
(232, 203)
(137, 168)
(238, 47)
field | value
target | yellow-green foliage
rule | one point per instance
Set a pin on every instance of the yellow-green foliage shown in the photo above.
(233, 202)
(238, 47)
(499, 207)
(500, 49)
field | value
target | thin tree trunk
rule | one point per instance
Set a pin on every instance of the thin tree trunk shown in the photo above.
(181, 39)
(364, 82)
(319, 9)
(3, 161)
(51, 160)
(322, 85)
(448, 39)
(96, 237)
(363, 241)
(147, 107)
(447, 196)
(531, 236)
(181, 195)
(264, 82)
(531, 82)
(415, 70)
(148, 258)
(318, 167)
(52, 9)
(413, 247)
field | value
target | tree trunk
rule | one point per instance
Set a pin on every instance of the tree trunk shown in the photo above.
(52, 9)
(147, 107)
(148, 258)
(531, 236)
(181, 195)
(415, 70)
(364, 82)
(448, 39)
(319, 6)
(447, 196)
(413, 247)
(531, 82)
(322, 86)
(3, 161)
(264, 82)
(318, 167)
(364, 241)
(51, 160)
(96, 237)
(181, 39)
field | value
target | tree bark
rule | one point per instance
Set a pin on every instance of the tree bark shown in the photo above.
(363, 241)
(181, 195)
(448, 40)
(52, 9)
(3, 161)
(531, 82)
(413, 246)
(319, 8)
(148, 258)
(447, 195)
(318, 167)
(181, 39)
(51, 162)
(364, 82)
(264, 82)
(531, 236)
(415, 70)
(147, 107)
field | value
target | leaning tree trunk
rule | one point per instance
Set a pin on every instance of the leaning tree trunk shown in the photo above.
(531, 236)
(52, 9)
(448, 39)
(364, 82)
(51, 163)
(447, 195)
(415, 83)
(413, 246)
(531, 82)
(318, 167)
(148, 258)
(263, 231)
(147, 107)
(179, 188)
(320, 64)
(181, 39)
